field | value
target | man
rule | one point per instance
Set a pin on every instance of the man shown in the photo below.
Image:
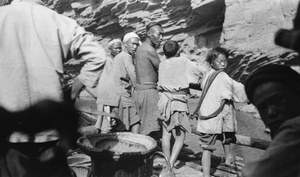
(116, 92)
(175, 75)
(115, 47)
(104, 100)
(34, 44)
(146, 94)
(275, 91)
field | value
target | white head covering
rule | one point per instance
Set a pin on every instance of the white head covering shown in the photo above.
(36, 1)
(113, 41)
(130, 35)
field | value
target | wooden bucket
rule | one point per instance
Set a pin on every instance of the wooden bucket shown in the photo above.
(121, 154)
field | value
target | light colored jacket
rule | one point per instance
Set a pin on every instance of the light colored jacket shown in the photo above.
(111, 87)
(223, 87)
(34, 44)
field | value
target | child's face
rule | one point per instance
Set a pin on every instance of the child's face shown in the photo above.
(220, 63)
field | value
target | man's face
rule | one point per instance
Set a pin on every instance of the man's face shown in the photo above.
(220, 63)
(115, 48)
(156, 35)
(132, 44)
(276, 102)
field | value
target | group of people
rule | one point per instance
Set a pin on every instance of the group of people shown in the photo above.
(137, 91)
(151, 97)
(127, 87)
(163, 88)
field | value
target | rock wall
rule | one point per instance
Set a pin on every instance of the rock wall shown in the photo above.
(249, 28)
(245, 27)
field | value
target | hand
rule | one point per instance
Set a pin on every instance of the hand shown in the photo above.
(89, 130)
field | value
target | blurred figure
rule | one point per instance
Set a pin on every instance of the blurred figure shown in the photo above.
(116, 92)
(146, 94)
(217, 119)
(275, 91)
(290, 38)
(34, 44)
(175, 75)
(41, 43)
(37, 153)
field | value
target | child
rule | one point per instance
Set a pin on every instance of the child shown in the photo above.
(175, 75)
(223, 125)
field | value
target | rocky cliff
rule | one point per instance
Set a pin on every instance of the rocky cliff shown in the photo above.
(246, 27)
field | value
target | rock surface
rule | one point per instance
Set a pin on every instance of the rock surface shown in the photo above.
(246, 27)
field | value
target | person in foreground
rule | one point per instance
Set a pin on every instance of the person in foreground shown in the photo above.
(42, 41)
(275, 91)
(217, 119)
(38, 155)
(175, 75)
(146, 94)
(35, 42)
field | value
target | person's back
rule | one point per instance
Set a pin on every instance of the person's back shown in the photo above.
(175, 78)
(145, 70)
(34, 43)
(175, 74)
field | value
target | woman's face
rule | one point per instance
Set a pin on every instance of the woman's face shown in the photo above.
(220, 63)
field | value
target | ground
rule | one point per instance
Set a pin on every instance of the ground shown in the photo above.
(189, 163)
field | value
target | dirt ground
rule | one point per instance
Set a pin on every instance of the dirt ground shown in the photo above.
(188, 163)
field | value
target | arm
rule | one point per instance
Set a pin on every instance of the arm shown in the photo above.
(232, 90)
(153, 57)
(86, 48)
(130, 69)
(194, 74)
(76, 88)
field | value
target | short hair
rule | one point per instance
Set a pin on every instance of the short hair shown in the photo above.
(151, 24)
(272, 73)
(215, 52)
(170, 48)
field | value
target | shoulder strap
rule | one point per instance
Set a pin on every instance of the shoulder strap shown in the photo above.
(205, 89)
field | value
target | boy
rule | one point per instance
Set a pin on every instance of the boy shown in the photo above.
(223, 125)
(175, 75)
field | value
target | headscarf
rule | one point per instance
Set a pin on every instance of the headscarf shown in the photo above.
(113, 41)
(129, 36)
(271, 73)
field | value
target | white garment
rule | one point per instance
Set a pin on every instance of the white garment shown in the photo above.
(176, 73)
(34, 44)
(223, 87)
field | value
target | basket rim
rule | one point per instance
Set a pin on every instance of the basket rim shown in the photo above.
(94, 152)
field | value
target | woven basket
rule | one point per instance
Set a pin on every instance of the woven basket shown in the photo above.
(117, 146)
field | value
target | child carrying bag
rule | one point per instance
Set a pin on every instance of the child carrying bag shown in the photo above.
(196, 114)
